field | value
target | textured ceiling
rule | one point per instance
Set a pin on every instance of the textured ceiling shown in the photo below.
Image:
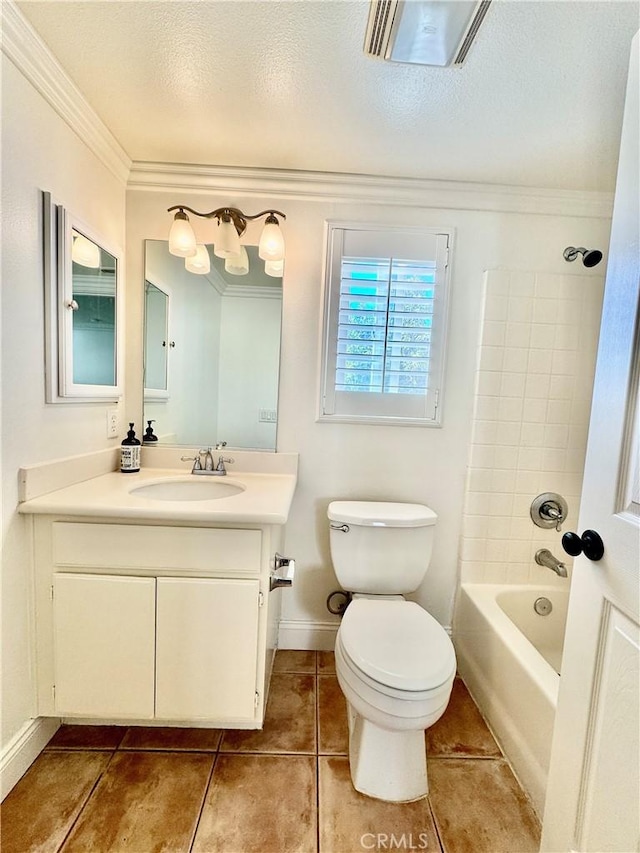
(285, 84)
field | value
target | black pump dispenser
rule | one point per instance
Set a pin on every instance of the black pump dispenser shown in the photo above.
(149, 435)
(130, 453)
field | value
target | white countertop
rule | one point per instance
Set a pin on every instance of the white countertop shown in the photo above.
(266, 499)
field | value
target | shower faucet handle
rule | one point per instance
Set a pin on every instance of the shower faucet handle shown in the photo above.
(549, 510)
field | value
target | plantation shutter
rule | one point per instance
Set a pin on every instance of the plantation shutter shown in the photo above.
(385, 323)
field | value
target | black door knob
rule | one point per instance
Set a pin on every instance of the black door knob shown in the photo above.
(590, 543)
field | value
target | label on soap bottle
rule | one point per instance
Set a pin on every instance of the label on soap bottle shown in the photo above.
(129, 458)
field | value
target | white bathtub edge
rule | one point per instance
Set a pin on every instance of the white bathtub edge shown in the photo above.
(519, 708)
(532, 777)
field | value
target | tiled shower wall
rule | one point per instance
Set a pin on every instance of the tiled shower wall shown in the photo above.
(531, 416)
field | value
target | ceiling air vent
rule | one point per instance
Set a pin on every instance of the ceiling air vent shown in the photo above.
(424, 32)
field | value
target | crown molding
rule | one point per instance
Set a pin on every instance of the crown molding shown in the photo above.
(252, 291)
(24, 47)
(372, 189)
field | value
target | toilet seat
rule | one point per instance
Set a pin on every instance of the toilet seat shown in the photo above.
(396, 647)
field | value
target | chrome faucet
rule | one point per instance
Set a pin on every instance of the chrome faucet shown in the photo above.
(208, 459)
(209, 468)
(545, 558)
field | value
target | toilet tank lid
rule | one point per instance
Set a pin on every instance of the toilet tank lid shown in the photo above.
(381, 514)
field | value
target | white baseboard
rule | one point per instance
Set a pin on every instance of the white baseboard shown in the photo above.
(23, 749)
(297, 634)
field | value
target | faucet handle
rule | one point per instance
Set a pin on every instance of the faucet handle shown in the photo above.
(221, 461)
(549, 510)
(197, 466)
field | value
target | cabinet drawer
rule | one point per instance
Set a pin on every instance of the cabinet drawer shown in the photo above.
(126, 546)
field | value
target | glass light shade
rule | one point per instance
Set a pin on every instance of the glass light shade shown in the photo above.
(182, 240)
(274, 268)
(227, 242)
(85, 253)
(271, 246)
(237, 264)
(200, 263)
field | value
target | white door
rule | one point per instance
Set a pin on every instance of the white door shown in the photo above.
(104, 649)
(206, 649)
(593, 793)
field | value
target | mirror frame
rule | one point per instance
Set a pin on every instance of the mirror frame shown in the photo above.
(58, 279)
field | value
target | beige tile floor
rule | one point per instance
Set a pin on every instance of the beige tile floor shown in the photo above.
(110, 789)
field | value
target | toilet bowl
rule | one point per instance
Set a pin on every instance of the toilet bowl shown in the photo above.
(394, 662)
(392, 693)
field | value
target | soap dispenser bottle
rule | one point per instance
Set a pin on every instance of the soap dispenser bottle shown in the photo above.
(149, 436)
(130, 453)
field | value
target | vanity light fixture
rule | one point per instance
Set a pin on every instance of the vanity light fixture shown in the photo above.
(274, 268)
(200, 263)
(232, 223)
(84, 252)
(238, 264)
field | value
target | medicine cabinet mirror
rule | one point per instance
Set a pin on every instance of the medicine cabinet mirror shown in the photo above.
(216, 376)
(156, 341)
(82, 311)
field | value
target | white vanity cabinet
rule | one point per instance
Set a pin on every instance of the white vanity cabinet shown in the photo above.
(154, 622)
(103, 645)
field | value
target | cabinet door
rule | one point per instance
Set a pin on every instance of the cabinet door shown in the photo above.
(206, 649)
(104, 645)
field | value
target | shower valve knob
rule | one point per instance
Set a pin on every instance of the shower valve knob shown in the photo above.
(589, 543)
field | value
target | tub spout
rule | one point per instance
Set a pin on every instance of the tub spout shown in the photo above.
(546, 558)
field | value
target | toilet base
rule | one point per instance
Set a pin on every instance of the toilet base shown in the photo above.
(386, 765)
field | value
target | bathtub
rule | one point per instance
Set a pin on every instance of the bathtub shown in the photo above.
(509, 657)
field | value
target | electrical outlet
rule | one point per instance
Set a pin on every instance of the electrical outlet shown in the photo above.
(113, 423)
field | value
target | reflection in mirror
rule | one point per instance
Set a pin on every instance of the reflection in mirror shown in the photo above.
(156, 342)
(222, 355)
(83, 309)
(93, 312)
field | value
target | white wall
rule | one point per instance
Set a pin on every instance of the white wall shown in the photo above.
(39, 152)
(354, 461)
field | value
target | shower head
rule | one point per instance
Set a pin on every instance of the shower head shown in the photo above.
(590, 257)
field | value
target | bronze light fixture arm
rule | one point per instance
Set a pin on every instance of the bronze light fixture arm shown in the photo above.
(238, 218)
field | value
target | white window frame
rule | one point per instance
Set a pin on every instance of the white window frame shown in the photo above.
(373, 408)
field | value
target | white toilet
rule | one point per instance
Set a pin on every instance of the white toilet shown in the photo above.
(395, 663)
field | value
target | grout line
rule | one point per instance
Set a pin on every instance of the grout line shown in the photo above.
(87, 798)
(204, 800)
(317, 803)
(435, 824)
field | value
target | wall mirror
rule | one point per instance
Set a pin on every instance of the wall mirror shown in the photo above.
(211, 351)
(82, 311)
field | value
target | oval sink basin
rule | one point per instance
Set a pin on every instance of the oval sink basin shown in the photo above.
(187, 490)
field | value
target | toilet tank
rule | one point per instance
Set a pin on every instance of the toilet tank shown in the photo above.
(380, 548)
